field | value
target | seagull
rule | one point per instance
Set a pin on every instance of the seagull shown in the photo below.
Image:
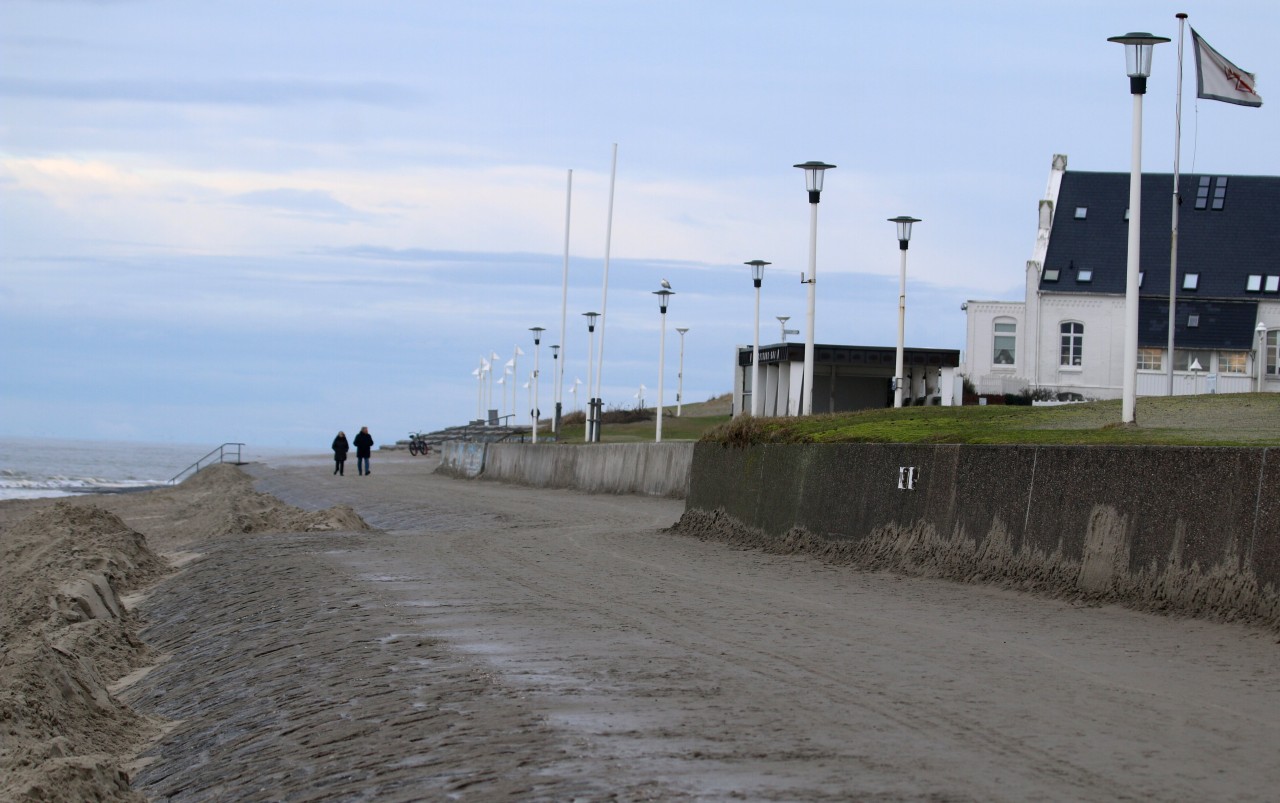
(666, 285)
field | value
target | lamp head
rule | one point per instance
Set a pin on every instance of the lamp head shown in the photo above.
(904, 229)
(1137, 57)
(537, 334)
(757, 270)
(813, 178)
(591, 317)
(663, 295)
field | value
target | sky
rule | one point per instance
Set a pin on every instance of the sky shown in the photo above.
(265, 222)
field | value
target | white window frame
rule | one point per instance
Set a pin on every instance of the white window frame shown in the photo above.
(1146, 361)
(997, 334)
(1071, 345)
(1241, 358)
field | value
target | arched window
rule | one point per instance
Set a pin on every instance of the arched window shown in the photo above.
(1004, 340)
(1072, 353)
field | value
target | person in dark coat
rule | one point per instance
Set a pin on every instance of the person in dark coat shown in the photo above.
(340, 449)
(364, 445)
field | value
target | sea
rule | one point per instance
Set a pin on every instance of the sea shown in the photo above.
(31, 468)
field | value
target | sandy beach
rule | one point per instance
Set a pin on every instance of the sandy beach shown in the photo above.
(276, 633)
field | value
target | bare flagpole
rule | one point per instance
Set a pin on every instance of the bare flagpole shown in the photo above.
(1173, 238)
(564, 308)
(604, 299)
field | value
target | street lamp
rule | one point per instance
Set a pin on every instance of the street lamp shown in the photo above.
(537, 339)
(555, 377)
(1137, 54)
(1262, 354)
(664, 295)
(680, 375)
(904, 238)
(757, 399)
(589, 431)
(813, 182)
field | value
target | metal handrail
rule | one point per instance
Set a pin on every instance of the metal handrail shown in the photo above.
(221, 452)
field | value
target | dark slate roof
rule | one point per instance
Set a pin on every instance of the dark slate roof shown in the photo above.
(1220, 324)
(1224, 246)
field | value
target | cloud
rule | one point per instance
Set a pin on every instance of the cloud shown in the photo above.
(224, 92)
(315, 204)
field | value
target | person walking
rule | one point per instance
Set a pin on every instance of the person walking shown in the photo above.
(364, 446)
(340, 449)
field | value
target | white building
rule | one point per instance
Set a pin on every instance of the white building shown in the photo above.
(1066, 334)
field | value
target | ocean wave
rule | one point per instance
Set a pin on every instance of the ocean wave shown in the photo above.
(17, 485)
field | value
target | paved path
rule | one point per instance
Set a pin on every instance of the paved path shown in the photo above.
(503, 643)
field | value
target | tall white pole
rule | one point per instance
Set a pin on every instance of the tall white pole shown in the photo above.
(807, 403)
(604, 295)
(757, 397)
(662, 370)
(1173, 237)
(564, 308)
(534, 412)
(900, 375)
(1129, 397)
(587, 434)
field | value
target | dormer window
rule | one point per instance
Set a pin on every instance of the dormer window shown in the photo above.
(1051, 275)
(1084, 275)
(1082, 212)
(1273, 284)
(1254, 283)
(1193, 321)
(1190, 281)
(1142, 276)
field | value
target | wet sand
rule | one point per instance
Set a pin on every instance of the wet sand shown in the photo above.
(488, 642)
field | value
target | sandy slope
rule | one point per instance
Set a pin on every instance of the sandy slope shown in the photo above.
(499, 643)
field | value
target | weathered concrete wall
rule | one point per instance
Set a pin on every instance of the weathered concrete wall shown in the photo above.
(461, 459)
(1190, 529)
(652, 469)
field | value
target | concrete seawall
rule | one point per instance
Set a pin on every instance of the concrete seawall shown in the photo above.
(1194, 530)
(650, 469)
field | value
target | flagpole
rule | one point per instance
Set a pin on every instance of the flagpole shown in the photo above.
(604, 293)
(1173, 239)
(564, 307)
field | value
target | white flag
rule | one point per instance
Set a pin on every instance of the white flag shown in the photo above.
(1219, 79)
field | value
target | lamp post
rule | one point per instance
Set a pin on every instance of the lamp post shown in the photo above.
(589, 431)
(904, 238)
(1262, 354)
(757, 399)
(1137, 54)
(537, 340)
(680, 375)
(555, 377)
(664, 295)
(813, 182)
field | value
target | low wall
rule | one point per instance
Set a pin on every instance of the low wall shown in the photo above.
(651, 469)
(1196, 530)
(461, 459)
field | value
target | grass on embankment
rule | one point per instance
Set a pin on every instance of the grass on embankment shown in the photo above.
(1243, 419)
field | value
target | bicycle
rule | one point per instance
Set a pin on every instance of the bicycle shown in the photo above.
(418, 444)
